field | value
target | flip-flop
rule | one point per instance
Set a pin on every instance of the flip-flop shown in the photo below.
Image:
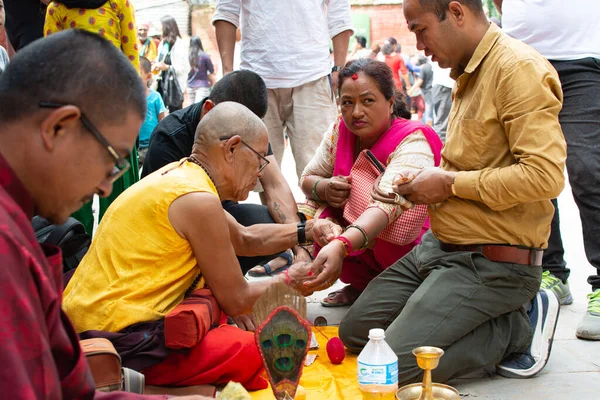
(342, 292)
(268, 270)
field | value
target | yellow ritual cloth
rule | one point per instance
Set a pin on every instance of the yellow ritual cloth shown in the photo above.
(322, 379)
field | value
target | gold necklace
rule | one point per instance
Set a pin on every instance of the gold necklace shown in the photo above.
(198, 163)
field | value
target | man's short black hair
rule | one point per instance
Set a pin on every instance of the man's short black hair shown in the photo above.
(244, 87)
(439, 7)
(72, 67)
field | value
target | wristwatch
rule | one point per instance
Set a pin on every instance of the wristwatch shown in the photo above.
(302, 230)
(336, 68)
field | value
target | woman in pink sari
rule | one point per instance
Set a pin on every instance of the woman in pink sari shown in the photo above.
(375, 118)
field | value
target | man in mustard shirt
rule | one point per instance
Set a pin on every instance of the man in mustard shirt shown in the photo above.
(463, 288)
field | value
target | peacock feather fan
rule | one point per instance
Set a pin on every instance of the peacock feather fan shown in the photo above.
(283, 337)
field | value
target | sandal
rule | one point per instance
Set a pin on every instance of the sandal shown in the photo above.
(268, 270)
(341, 298)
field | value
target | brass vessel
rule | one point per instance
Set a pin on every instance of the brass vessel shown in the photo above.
(428, 359)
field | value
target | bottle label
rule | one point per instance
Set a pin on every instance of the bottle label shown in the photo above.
(382, 374)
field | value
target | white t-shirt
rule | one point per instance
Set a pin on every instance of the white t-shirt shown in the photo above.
(286, 42)
(558, 29)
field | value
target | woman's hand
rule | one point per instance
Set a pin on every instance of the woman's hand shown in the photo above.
(337, 190)
(160, 66)
(327, 267)
(324, 231)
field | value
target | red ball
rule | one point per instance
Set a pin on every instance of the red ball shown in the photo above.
(335, 350)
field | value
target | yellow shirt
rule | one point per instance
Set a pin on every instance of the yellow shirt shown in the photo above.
(148, 50)
(114, 21)
(505, 139)
(137, 268)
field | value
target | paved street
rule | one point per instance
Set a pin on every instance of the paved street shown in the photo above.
(573, 371)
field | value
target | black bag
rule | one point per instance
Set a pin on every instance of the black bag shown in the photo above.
(71, 237)
(168, 86)
(170, 89)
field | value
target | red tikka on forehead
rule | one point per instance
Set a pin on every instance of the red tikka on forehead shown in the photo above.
(354, 76)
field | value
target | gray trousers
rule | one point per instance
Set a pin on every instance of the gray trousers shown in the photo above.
(469, 306)
(442, 104)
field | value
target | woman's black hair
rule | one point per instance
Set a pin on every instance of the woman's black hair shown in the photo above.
(382, 75)
(170, 30)
(195, 50)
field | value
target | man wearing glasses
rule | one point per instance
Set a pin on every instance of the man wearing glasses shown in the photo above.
(64, 137)
(173, 139)
(168, 235)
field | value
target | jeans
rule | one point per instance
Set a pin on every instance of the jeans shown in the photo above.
(250, 214)
(465, 304)
(580, 121)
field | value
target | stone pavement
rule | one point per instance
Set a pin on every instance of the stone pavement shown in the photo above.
(573, 371)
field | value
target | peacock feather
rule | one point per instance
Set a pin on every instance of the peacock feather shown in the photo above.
(283, 338)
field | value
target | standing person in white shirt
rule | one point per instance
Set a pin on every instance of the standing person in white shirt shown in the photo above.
(442, 98)
(574, 51)
(286, 42)
(173, 51)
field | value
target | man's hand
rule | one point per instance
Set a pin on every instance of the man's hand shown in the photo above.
(426, 186)
(245, 322)
(298, 274)
(335, 76)
(324, 231)
(327, 267)
(337, 191)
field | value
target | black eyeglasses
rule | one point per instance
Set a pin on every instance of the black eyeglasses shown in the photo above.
(263, 161)
(121, 164)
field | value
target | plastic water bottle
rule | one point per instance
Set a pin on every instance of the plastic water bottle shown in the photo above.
(378, 368)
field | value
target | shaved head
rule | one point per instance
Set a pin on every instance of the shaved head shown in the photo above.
(229, 119)
(231, 142)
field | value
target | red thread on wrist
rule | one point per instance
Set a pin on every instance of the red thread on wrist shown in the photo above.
(288, 280)
(346, 243)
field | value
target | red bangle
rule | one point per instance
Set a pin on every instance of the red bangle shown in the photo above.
(346, 242)
(288, 280)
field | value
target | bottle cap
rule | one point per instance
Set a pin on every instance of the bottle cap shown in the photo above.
(376, 333)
